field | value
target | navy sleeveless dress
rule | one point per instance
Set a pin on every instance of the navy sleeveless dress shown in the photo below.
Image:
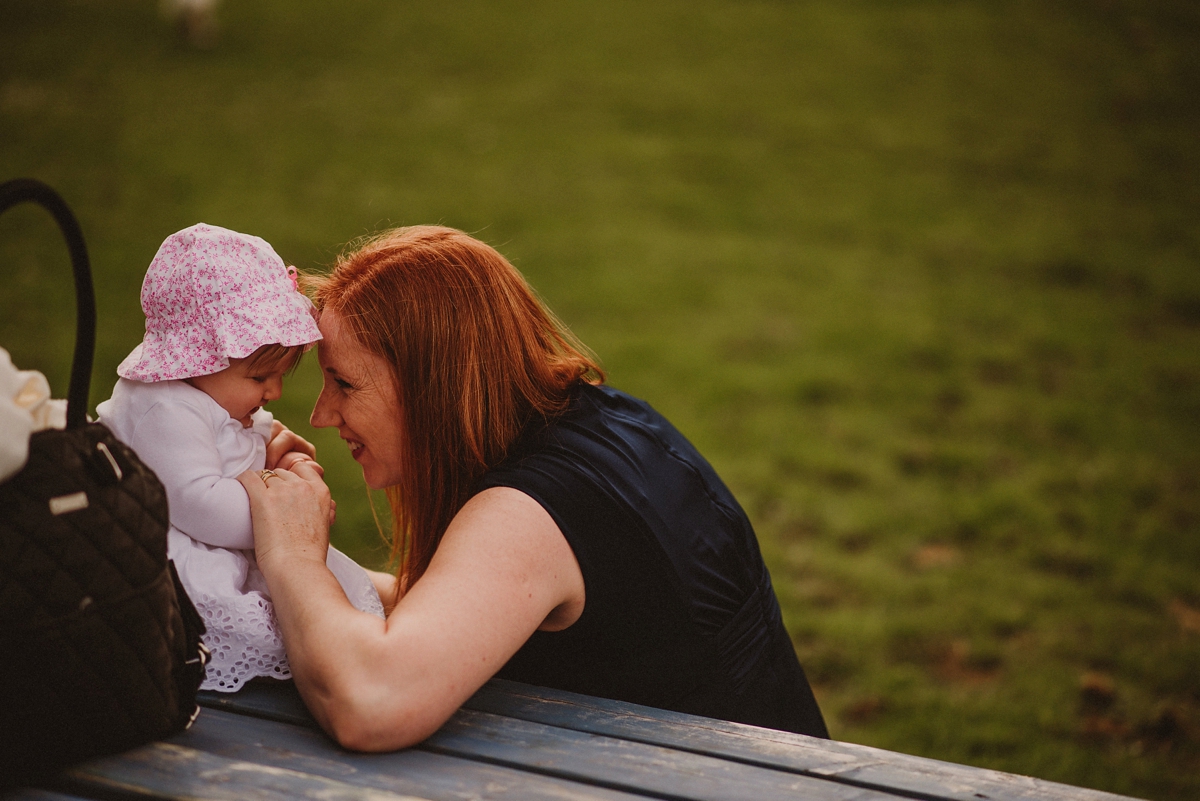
(679, 611)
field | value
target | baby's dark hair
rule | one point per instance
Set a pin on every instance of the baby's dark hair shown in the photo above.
(269, 357)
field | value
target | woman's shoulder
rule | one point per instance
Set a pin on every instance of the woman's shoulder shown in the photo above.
(600, 406)
(604, 436)
(612, 451)
(609, 420)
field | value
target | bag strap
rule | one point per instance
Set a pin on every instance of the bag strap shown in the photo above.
(20, 190)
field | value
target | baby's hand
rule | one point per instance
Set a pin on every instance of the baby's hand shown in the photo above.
(292, 458)
(285, 442)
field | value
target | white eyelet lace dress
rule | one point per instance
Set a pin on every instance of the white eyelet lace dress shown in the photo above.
(231, 594)
(197, 450)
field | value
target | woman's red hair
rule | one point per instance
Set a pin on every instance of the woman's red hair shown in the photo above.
(475, 357)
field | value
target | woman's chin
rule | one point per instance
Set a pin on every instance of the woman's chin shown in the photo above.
(376, 475)
(372, 479)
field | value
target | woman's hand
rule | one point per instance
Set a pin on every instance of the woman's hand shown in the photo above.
(286, 448)
(292, 512)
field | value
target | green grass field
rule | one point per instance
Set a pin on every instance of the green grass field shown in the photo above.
(922, 279)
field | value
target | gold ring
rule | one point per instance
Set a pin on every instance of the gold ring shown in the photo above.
(265, 474)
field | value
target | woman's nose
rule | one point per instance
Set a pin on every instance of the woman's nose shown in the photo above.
(323, 414)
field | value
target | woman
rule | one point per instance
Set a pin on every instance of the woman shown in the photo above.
(548, 529)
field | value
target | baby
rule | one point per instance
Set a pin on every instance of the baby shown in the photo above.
(225, 323)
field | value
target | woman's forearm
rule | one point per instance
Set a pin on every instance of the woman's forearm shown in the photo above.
(337, 654)
(502, 570)
(334, 650)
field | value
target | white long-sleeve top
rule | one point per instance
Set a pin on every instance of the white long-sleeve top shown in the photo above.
(197, 451)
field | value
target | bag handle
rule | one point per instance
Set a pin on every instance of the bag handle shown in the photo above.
(20, 190)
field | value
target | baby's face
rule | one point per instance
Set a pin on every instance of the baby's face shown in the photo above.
(240, 390)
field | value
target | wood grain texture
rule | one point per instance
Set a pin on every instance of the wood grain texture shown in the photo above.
(34, 794)
(488, 730)
(863, 766)
(168, 771)
(586, 758)
(627, 765)
(413, 771)
(264, 698)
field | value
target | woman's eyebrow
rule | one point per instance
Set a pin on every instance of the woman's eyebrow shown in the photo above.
(333, 371)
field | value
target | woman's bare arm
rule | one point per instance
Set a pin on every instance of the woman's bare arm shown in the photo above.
(502, 570)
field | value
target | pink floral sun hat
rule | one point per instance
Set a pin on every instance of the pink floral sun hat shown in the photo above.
(212, 295)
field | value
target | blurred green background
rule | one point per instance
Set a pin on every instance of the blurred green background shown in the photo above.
(920, 278)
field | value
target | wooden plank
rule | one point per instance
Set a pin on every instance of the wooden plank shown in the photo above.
(267, 699)
(852, 764)
(35, 794)
(626, 765)
(169, 771)
(436, 776)
(563, 753)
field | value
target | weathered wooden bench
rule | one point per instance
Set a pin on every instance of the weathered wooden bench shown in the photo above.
(513, 741)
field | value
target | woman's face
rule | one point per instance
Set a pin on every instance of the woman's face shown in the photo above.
(359, 399)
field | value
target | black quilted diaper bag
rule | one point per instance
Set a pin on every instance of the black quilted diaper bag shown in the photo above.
(100, 647)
